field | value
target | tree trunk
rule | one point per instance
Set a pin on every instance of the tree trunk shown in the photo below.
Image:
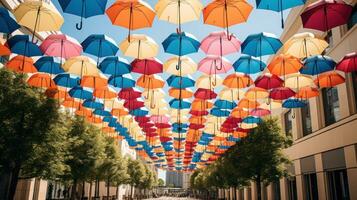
(117, 192)
(83, 187)
(13, 179)
(96, 188)
(108, 187)
(90, 191)
(131, 192)
(74, 190)
(259, 187)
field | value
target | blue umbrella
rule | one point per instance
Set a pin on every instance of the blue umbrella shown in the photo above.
(261, 44)
(67, 80)
(47, 64)
(279, 6)
(21, 44)
(139, 112)
(181, 44)
(224, 104)
(124, 81)
(180, 82)
(294, 103)
(102, 113)
(179, 104)
(315, 65)
(80, 93)
(83, 8)
(182, 125)
(248, 65)
(252, 120)
(115, 66)
(99, 45)
(7, 23)
(219, 112)
(93, 104)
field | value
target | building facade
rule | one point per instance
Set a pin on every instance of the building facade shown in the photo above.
(324, 133)
(174, 179)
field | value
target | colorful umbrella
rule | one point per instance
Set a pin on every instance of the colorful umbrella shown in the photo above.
(84, 8)
(279, 6)
(303, 45)
(226, 13)
(21, 64)
(60, 45)
(281, 93)
(252, 120)
(219, 44)
(181, 44)
(140, 46)
(20, 44)
(179, 104)
(255, 93)
(348, 63)
(178, 11)
(47, 64)
(294, 103)
(284, 64)
(180, 93)
(114, 66)
(210, 65)
(248, 104)
(268, 81)
(41, 80)
(329, 79)
(248, 65)
(260, 112)
(122, 81)
(307, 92)
(94, 82)
(150, 82)
(67, 80)
(80, 93)
(38, 16)
(180, 82)
(147, 66)
(205, 81)
(324, 15)
(237, 81)
(315, 65)
(4, 50)
(7, 23)
(131, 14)
(261, 44)
(81, 66)
(104, 93)
(187, 66)
(205, 94)
(224, 104)
(298, 81)
(129, 93)
(229, 94)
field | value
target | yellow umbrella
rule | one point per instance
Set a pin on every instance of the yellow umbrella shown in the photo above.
(187, 66)
(179, 11)
(298, 81)
(157, 104)
(140, 46)
(230, 94)
(175, 112)
(208, 82)
(303, 45)
(256, 93)
(156, 94)
(248, 126)
(38, 16)
(82, 66)
(159, 111)
(114, 104)
(270, 105)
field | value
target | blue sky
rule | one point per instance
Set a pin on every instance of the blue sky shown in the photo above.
(259, 21)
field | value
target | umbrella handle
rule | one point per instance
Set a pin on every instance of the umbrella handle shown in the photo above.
(293, 115)
(178, 30)
(230, 36)
(79, 25)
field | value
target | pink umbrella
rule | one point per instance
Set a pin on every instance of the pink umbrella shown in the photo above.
(209, 65)
(348, 63)
(260, 112)
(218, 43)
(160, 119)
(61, 45)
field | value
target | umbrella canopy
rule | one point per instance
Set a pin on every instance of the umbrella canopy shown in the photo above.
(81, 66)
(4, 50)
(84, 8)
(181, 44)
(294, 103)
(224, 104)
(298, 81)
(99, 45)
(187, 66)
(122, 81)
(255, 93)
(324, 15)
(260, 112)
(261, 44)
(21, 64)
(150, 82)
(114, 66)
(229, 94)
(268, 81)
(348, 63)
(129, 93)
(38, 16)
(303, 45)
(140, 46)
(47, 64)
(237, 81)
(207, 82)
(147, 66)
(307, 92)
(61, 45)
(248, 65)
(80, 93)
(7, 23)
(220, 44)
(252, 120)
(179, 104)
(41, 80)
(180, 93)
(21, 44)
(248, 104)
(226, 13)
(104, 93)
(284, 64)
(67, 80)
(315, 65)
(205, 94)
(214, 65)
(94, 82)
(281, 93)
(180, 82)
(329, 79)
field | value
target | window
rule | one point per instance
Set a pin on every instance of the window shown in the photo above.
(329, 39)
(288, 123)
(292, 191)
(310, 187)
(352, 21)
(337, 184)
(354, 82)
(306, 120)
(276, 190)
(331, 105)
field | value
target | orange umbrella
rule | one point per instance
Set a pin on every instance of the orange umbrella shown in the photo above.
(119, 112)
(56, 93)
(70, 103)
(4, 50)
(85, 112)
(248, 104)
(226, 13)
(329, 79)
(197, 120)
(21, 64)
(94, 119)
(131, 14)
(201, 105)
(41, 80)
(150, 82)
(238, 81)
(284, 64)
(104, 93)
(307, 92)
(93, 82)
(180, 93)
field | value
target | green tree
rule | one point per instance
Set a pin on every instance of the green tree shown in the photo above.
(259, 156)
(32, 134)
(136, 172)
(160, 182)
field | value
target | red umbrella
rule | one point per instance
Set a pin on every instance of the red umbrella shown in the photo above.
(146, 125)
(204, 94)
(324, 15)
(162, 125)
(198, 113)
(147, 66)
(129, 93)
(149, 130)
(281, 93)
(142, 119)
(196, 126)
(133, 104)
(348, 63)
(268, 81)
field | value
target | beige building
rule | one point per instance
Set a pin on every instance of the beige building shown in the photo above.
(324, 152)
